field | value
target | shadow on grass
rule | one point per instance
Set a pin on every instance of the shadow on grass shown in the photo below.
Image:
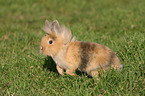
(50, 65)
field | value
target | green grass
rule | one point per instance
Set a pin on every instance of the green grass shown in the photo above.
(119, 25)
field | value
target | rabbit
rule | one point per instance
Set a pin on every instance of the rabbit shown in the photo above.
(70, 54)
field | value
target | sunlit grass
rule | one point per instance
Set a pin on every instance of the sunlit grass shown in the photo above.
(116, 24)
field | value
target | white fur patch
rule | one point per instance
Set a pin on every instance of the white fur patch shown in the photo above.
(60, 59)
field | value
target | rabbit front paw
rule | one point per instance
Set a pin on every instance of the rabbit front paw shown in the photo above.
(70, 72)
(60, 70)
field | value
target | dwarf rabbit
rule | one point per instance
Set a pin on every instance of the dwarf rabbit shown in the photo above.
(70, 54)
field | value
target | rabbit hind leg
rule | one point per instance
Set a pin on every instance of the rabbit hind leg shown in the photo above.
(94, 74)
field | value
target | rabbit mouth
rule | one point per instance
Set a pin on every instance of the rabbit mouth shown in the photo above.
(41, 50)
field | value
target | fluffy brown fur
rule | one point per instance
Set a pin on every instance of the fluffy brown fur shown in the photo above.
(71, 55)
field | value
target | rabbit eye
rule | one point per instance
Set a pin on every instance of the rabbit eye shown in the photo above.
(50, 42)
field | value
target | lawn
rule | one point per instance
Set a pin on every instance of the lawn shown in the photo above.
(120, 25)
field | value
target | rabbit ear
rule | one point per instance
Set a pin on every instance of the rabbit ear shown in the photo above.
(47, 27)
(47, 23)
(66, 33)
(55, 27)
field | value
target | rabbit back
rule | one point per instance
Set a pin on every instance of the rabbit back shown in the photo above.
(89, 56)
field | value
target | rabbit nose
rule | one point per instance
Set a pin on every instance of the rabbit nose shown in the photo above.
(41, 49)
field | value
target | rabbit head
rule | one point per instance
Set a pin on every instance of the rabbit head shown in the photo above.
(56, 38)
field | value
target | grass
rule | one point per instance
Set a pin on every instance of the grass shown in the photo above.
(116, 24)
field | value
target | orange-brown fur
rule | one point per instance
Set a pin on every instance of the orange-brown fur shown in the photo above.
(71, 55)
(99, 57)
(54, 48)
